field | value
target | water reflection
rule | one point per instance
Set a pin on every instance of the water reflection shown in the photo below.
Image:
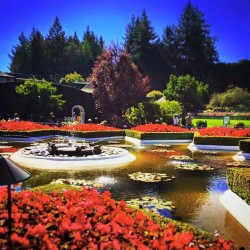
(194, 193)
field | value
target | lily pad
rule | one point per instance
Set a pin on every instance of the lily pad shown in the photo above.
(181, 157)
(149, 177)
(152, 203)
(78, 182)
(193, 166)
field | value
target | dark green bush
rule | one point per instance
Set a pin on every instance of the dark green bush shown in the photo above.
(201, 124)
(239, 125)
(245, 146)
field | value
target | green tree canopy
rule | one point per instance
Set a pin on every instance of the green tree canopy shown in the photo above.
(117, 83)
(40, 97)
(72, 77)
(143, 112)
(233, 98)
(191, 93)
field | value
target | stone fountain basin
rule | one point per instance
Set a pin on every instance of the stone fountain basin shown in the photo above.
(111, 157)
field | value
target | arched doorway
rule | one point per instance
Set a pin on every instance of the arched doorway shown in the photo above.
(80, 113)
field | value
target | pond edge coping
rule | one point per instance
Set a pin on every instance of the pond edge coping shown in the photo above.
(194, 147)
(237, 207)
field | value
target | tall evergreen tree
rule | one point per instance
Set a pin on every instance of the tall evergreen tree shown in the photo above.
(91, 47)
(20, 56)
(143, 44)
(196, 46)
(73, 60)
(55, 47)
(37, 48)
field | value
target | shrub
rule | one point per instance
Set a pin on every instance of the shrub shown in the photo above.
(239, 125)
(201, 124)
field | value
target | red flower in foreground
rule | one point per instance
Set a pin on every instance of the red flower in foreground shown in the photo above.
(114, 226)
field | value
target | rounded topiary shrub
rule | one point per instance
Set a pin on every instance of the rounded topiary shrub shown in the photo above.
(201, 124)
(239, 125)
(245, 146)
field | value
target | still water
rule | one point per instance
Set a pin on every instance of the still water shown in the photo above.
(195, 194)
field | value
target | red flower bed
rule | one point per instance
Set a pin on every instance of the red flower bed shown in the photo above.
(159, 128)
(22, 126)
(223, 131)
(86, 220)
(88, 127)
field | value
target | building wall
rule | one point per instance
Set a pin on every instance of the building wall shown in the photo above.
(10, 102)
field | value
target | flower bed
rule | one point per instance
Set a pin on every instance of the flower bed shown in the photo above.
(224, 131)
(159, 128)
(23, 126)
(31, 129)
(87, 220)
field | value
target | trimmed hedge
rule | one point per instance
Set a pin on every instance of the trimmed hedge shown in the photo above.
(92, 134)
(160, 136)
(239, 182)
(27, 134)
(218, 140)
(34, 133)
(245, 146)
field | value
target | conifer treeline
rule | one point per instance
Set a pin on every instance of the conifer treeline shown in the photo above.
(55, 55)
(185, 48)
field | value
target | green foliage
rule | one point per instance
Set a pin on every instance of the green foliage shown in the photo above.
(234, 98)
(154, 95)
(72, 77)
(143, 112)
(41, 94)
(190, 92)
(245, 146)
(169, 109)
(117, 83)
(238, 181)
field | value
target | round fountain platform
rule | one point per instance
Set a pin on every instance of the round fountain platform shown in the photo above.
(65, 156)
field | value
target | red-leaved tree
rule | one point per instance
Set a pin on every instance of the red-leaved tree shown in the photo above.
(117, 83)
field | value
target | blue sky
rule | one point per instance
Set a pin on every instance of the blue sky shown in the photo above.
(229, 21)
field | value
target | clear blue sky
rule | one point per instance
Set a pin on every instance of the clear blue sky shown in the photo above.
(229, 21)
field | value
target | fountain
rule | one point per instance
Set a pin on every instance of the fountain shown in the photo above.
(69, 153)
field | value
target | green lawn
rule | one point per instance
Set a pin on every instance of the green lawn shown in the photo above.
(219, 122)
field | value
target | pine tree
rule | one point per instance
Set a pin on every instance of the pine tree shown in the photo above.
(196, 46)
(73, 60)
(55, 47)
(37, 47)
(21, 56)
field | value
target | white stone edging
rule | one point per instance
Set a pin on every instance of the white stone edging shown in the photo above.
(194, 147)
(239, 209)
(241, 156)
(139, 142)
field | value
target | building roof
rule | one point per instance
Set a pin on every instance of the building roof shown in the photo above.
(5, 75)
(88, 88)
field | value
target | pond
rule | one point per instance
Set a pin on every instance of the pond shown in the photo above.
(194, 193)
